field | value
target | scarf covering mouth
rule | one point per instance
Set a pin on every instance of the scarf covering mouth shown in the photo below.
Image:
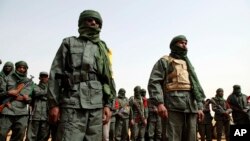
(180, 53)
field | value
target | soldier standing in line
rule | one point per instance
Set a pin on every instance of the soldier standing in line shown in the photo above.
(17, 88)
(81, 86)
(122, 117)
(154, 123)
(8, 68)
(114, 109)
(205, 126)
(145, 103)
(175, 89)
(222, 112)
(138, 116)
(238, 102)
(39, 127)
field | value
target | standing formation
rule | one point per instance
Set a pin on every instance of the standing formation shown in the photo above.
(77, 99)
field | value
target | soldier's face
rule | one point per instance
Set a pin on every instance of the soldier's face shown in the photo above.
(221, 93)
(44, 78)
(7, 68)
(92, 22)
(182, 44)
(21, 69)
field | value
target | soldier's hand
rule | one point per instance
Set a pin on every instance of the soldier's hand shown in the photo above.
(200, 115)
(162, 111)
(245, 110)
(106, 115)
(13, 92)
(145, 122)
(132, 122)
(54, 114)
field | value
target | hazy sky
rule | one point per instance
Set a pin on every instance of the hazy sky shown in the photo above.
(138, 32)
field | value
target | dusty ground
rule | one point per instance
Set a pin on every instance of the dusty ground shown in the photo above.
(50, 139)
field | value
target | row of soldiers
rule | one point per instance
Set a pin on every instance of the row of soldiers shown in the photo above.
(24, 107)
(136, 112)
(233, 110)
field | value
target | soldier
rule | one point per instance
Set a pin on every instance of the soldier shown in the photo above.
(14, 115)
(138, 116)
(8, 68)
(112, 129)
(81, 88)
(154, 123)
(177, 93)
(221, 114)
(122, 117)
(145, 102)
(238, 103)
(205, 126)
(38, 127)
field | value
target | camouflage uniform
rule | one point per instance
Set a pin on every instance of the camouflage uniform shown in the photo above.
(38, 127)
(205, 126)
(175, 89)
(122, 117)
(15, 114)
(81, 83)
(239, 105)
(138, 116)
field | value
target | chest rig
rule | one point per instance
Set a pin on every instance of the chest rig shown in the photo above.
(178, 78)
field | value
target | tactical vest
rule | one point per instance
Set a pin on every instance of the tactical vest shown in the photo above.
(82, 70)
(178, 79)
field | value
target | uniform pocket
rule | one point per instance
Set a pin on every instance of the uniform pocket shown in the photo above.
(76, 56)
(95, 92)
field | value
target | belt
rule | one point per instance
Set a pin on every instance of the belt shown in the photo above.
(84, 77)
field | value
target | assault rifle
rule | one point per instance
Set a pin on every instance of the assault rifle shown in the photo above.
(18, 89)
(220, 108)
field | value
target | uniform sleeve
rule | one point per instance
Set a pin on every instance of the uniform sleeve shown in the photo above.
(58, 66)
(39, 91)
(156, 81)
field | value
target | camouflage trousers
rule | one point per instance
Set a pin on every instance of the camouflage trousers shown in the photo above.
(80, 125)
(17, 124)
